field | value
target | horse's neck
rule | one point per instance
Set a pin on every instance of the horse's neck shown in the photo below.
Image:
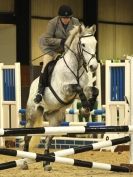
(76, 67)
(72, 60)
(65, 74)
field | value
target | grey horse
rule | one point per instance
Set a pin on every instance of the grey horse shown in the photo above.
(68, 79)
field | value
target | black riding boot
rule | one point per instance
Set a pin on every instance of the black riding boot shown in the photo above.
(41, 88)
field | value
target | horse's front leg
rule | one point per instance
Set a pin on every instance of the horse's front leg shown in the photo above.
(88, 99)
(46, 164)
(91, 94)
(88, 96)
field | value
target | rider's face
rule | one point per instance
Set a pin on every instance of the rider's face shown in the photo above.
(65, 20)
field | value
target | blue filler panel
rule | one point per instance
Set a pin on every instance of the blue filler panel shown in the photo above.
(9, 84)
(117, 83)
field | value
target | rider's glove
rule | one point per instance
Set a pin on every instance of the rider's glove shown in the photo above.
(62, 43)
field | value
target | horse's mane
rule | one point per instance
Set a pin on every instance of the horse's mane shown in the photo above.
(81, 30)
(72, 35)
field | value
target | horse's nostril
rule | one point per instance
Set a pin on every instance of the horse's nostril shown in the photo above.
(91, 67)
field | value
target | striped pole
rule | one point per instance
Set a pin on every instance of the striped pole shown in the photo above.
(73, 162)
(45, 124)
(15, 163)
(50, 158)
(60, 130)
(70, 151)
(93, 146)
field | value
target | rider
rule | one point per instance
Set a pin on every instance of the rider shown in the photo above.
(52, 42)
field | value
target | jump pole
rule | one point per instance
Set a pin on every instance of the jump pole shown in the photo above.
(46, 124)
(39, 157)
(66, 152)
(73, 162)
(60, 130)
(93, 112)
(93, 146)
(131, 108)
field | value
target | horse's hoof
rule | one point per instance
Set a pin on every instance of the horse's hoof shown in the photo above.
(47, 168)
(24, 166)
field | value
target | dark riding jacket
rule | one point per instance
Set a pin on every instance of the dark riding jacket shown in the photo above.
(51, 40)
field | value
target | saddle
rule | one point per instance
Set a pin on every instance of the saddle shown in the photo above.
(49, 69)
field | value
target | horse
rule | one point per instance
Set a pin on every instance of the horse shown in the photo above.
(69, 78)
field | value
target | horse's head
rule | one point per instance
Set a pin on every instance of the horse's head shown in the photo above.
(87, 47)
(82, 43)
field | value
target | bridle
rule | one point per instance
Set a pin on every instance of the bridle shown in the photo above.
(81, 50)
(79, 56)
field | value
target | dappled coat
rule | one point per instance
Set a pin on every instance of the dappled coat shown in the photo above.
(50, 41)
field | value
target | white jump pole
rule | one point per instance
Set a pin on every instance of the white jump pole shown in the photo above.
(131, 108)
(1, 106)
(98, 85)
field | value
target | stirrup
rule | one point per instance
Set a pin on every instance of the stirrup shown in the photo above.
(38, 98)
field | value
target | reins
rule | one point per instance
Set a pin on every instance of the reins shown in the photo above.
(79, 56)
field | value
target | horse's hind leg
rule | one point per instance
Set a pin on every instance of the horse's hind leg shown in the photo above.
(27, 139)
(46, 164)
(26, 145)
(26, 148)
(54, 119)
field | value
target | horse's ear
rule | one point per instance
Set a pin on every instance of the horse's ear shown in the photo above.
(93, 29)
(81, 28)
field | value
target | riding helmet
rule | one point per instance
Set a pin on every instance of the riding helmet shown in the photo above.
(65, 11)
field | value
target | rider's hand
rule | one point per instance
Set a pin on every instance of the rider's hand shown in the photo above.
(62, 43)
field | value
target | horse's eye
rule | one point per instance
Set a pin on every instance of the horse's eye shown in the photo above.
(83, 45)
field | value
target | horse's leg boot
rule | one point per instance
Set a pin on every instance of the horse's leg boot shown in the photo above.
(46, 164)
(92, 101)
